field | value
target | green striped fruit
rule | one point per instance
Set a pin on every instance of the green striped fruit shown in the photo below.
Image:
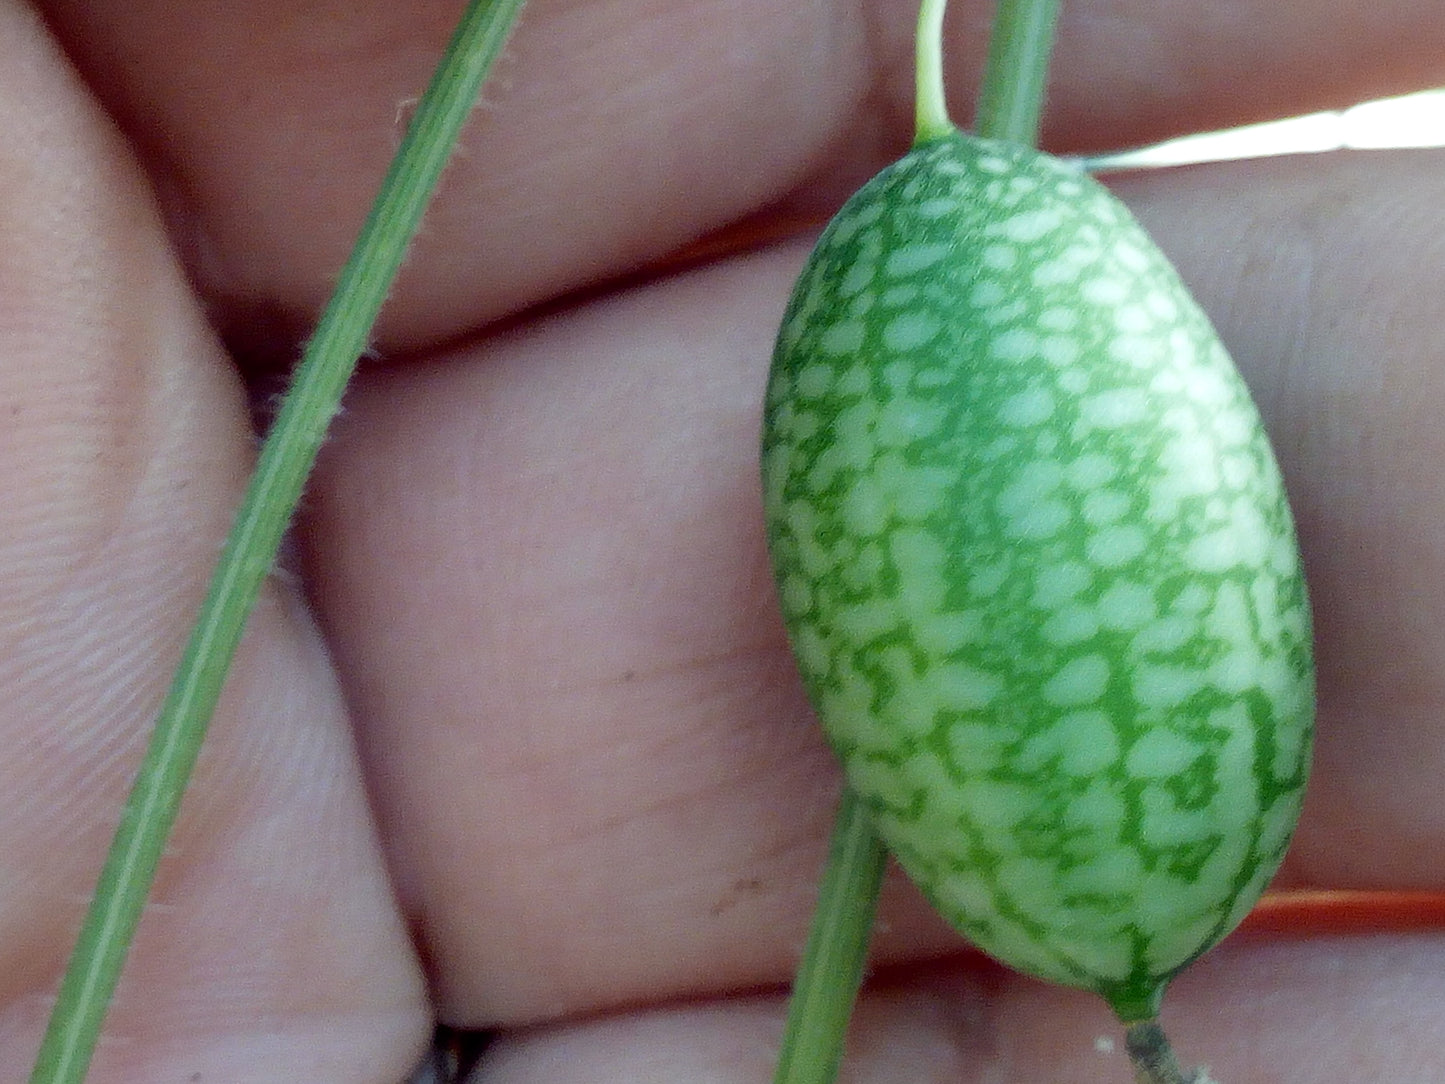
(1038, 569)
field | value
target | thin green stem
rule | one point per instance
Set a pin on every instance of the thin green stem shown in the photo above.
(827, 982)
(931, 109)
(832, 968)
(250, 549)
(1011, 99)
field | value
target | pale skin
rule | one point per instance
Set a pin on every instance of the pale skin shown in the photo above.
(514, 740)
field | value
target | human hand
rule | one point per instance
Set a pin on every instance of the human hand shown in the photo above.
(530, 626)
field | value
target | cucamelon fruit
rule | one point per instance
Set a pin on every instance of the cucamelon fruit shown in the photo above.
(1037, 567)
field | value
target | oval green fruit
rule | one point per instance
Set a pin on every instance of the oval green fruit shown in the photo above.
(1037, 567)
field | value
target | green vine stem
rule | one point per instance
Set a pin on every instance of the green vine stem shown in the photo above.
(1010, 100)
(250, 549)
(832, 967)
(831, 971)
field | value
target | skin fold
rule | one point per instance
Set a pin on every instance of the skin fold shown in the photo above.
(514, 739)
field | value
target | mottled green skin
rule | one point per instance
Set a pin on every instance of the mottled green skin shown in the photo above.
(1038, 569)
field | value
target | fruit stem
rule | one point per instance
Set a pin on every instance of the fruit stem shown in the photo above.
(930, 107)
(1153, 1057)
(832, 968)
(250, 548)
(1011, 99)
(831, 971)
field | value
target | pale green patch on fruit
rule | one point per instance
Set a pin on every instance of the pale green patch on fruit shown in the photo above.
(1036, 561)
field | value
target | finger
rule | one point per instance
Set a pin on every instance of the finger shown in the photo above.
(123, 445)
(561, 643)
(618, 131)
(540, 562)
(1332, 1011)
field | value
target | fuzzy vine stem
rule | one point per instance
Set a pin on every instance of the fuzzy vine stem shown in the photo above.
(1010, 101)
(270, 499)
(832, 967)
(831, 971)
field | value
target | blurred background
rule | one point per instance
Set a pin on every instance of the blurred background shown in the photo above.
(1414, 120)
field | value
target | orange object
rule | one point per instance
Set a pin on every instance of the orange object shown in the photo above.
(1307, 912)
